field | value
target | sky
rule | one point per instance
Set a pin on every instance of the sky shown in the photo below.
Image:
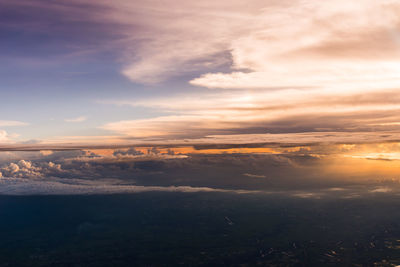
(152, 90)
(82, 71)
(290, 106)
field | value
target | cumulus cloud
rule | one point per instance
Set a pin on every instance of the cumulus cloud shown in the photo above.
(131, 151)
(287, 168)
(26, 169)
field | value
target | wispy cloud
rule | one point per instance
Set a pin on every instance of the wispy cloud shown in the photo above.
(340, 45)
(328, 80)
(262, 111)
(77, 119)
(254, 175)
(20, 186)
(5, 123)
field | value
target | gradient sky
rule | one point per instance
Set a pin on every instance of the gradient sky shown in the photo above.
(212, 71)
(249, 106)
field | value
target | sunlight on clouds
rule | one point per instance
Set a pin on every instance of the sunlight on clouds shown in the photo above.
(240, 94)
(301, 66)
(337, 45)
(317, 56)
(378, 156)
(237, 112)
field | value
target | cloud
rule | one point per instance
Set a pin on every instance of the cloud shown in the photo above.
(55, 186)
(344, 63)
(6, 138)
(3, 136)
(77, 119)
(155, 40)
(304, 172)
(177, 37)
(339, 75)
(131, 151)
(27, 169)
(254, 175)
(264, 111)
(340, 45)
(184, 125)
(20, 186)
(374, 142)
(4, 123)
(334, 42)
(381, 190)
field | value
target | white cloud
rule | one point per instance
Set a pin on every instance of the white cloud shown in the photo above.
(77, 119)
(26, 169)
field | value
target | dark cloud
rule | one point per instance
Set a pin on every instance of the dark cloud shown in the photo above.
(307, 171)
(130, 151)
(220, 171)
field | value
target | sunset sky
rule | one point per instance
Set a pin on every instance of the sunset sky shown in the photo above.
(200, 132)
(127, 71)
